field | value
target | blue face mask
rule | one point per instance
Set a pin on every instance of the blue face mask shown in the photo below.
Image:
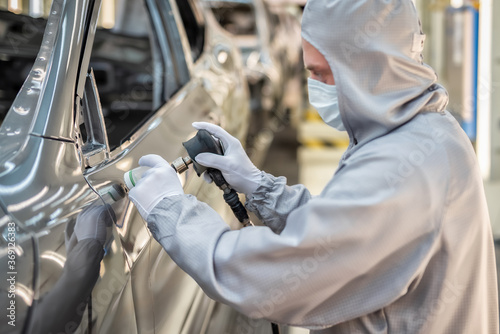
(324, 98)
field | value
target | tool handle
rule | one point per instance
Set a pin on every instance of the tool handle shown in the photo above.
(235, 204)
(218, 178)
(230, 196)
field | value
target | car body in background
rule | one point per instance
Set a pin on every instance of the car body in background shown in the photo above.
(94, 102)
(271, 48)
(286, 18)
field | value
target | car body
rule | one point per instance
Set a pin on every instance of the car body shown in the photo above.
(92, 104)
(286, 18)
(268, 42)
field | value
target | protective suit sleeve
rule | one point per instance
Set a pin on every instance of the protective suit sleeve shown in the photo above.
(273, 201)
(349, 252)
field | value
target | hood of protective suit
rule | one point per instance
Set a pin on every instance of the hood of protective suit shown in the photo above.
(374, 48)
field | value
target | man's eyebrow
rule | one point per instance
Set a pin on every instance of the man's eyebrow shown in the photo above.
(315, 68)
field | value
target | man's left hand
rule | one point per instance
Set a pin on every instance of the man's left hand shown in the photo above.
(157, 183)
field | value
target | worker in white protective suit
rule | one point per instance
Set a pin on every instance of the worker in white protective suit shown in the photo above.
(399, 241)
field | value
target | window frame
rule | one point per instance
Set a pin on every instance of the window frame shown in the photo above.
(161, 40)
(167, 22)
(158, 96)
(199, 17)
(165, 25)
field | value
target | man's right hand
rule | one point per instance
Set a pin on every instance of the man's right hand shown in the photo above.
(235, 164)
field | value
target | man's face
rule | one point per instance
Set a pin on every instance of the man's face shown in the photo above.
(316, 63)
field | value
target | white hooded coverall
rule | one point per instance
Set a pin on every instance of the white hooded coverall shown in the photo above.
(399, 241)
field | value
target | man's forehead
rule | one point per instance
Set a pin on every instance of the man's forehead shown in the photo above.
(313, 59)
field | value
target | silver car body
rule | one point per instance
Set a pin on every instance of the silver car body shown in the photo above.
(50, 171)
(287, 21)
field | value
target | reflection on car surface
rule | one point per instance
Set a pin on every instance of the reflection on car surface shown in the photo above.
(92, 102)
(20, 38)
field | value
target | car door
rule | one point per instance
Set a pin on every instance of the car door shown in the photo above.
(147, 110)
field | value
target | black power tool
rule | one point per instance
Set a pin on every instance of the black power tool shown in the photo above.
(204, 142)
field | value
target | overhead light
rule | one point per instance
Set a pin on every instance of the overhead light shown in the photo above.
(108, 14)
(16, 6)
(457, 3)
(36, 8)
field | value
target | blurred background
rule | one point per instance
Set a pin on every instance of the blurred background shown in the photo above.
(287, 137)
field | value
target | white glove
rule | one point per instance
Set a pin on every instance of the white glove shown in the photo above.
(235, 165)
(92, 223)
(157, 183)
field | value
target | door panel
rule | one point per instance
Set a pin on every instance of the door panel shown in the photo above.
(119, 317)
(76, 277)
(163, 134)
(173, 292)
(45, 192)
(112, 301)
(141, 293)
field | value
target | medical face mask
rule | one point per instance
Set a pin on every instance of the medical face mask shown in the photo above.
(324, 98)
